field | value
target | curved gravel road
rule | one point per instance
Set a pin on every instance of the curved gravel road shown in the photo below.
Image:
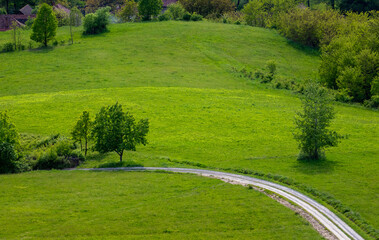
(326, 217)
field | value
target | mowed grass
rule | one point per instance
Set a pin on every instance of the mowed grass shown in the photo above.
(179, 76)
(132, 205)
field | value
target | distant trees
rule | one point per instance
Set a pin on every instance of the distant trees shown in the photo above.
(116, 130)
(359, 5)
(149, 8)
(45, 25)
(94, 23)
(312, 124)
(205, 8)
(128, 11)
(82, 131)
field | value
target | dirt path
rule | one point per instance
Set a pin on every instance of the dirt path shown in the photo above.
(319, 216)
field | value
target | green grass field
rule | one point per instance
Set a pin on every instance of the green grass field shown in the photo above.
(119, 205)
(179, 75)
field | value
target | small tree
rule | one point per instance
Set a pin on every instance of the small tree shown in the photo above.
(312, 123)
(82, 131)
(148, 8)
(128, 11)
(45, 25)
(8, 142)
(75, 19)
(115, 130)
(97, 22)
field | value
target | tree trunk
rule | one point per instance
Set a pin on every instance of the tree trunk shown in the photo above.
(309, 3)
(122, 152)
(86, 147)
(332, 3)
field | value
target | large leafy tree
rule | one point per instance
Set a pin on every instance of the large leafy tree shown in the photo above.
(312, 124)
(82, 131)
(148, 8)
(116, 130)
(45, 25)
(8, 142)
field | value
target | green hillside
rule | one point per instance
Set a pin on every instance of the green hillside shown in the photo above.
(179, 75)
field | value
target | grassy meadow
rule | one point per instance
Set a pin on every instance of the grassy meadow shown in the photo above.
(119, 205)
(179, 75)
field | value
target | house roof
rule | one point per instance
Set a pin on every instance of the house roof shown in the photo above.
(26, 10)
(61, 7)
(168, 2)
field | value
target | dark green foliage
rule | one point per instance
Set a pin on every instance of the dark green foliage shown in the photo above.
(164, 17)
(312, 124)
(95, 23)
(8, 158)
(149, 8)
(63, 18)
(129, 11)
(359, 5)
(82, 131)
(115, 130)
(3, 11)
(205, 8)
(29, 22)
(8, 47)
(45, 25)
(196, 17)
(186, 16)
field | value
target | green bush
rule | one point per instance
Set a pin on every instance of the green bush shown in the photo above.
(196, 17)
(149, 8)
(8, 47)
(95, 23)
(310, 27)
(51, 160)
(164, 17)
(62, 17)
(129, 11)
(205, 8)
(186, 16)
(264, 13)
(29, 23)
(176, 11)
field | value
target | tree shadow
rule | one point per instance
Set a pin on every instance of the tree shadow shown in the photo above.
(42, 49)
(314, 167)
(128, 163)
(306, 49)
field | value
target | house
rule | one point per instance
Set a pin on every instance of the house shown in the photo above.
(166, 3)
(20, 19)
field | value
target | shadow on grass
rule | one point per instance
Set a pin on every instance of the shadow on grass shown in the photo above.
(314, 167)
(129, 163)
(42, 49)
(306, 49)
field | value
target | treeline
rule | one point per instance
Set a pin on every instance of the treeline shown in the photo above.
(348, 42)
(113, 130)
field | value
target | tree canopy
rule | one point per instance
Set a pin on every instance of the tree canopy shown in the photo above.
(116, 130)
(45, 25)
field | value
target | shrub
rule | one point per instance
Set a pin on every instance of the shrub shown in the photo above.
(129, 11)
(149, 8)
(205, 8)
(310, 27)
(62, 17)
(95, 23)
(176, 11)
(196, 17)
(29, 22)
(8, 47)
(264, 13)
(186, 16)
(164, 17)
(51, 160)
(75, 17)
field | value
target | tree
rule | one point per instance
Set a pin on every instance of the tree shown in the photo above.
(75, 19)
(45, 25)
(8, 142)
(94, 23)
(359, 5)
(313, 122)
(128, 11)
(148, 8)
(205, 8)
(115, 130)
(82, 131)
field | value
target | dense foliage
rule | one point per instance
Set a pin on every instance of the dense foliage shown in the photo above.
(94, 23)
(93, 5)
(75, 17)
(176, 11)
(264, 13)
(116, 130)
(359, 5)
(129, 11)
(82, 131)
(45, 25)
(149, 8)
(8, 142)
(205, 7)
(313, 122)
